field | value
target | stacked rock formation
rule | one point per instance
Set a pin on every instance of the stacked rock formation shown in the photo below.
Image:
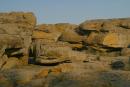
(95, 52)
(107, 34)
(15, 35)
(55, 43)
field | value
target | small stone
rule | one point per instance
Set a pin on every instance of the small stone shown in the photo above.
(118, 64)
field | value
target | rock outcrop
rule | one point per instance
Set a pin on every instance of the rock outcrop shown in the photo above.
(54, 43)
(16, 35)
(96, 52)
(106, 34)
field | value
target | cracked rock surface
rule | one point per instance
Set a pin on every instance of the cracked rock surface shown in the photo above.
(95, 53)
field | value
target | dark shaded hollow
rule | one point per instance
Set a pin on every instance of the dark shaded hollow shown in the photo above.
(117, 65)
(32, 56)
(83, 32)
(9, 51)
(52, 64)
(114, 49)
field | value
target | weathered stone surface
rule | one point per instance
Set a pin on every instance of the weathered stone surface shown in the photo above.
(59, 27)
(117, 25)
(76, 45)
(53, 54)
(54, 31)
(70, 36)
(110, 25)
(125, 52)
(11, 63)
(56, 52)
(13, 45)
(95, 53)
(91, 25)
(15, 33)
(11, 41)
(17, 23)
(47, 36)
(106, 34)
(108, 61)
(5, 82)
(73, 79)
(116, 40)
(3, 60)
(92, 38)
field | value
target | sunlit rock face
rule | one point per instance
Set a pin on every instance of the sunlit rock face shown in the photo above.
(15, 36)
(94, 53)
(106, 35)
